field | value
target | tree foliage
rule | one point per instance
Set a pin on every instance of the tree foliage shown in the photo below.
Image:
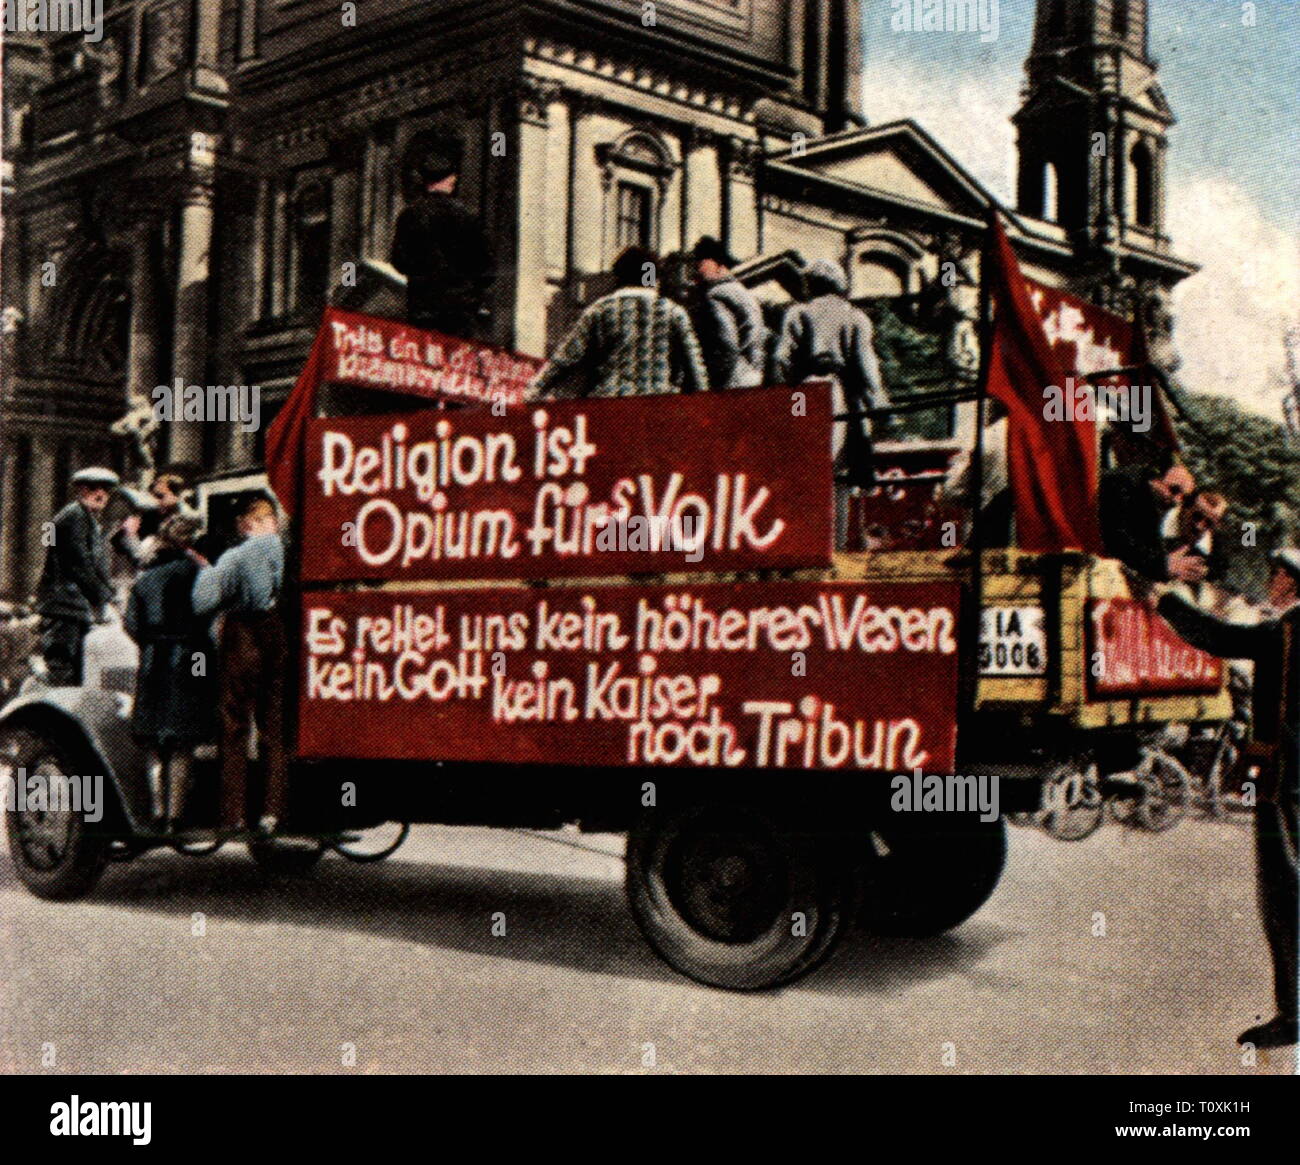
(1249, 459)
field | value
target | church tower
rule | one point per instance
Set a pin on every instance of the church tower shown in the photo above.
(1092, 127)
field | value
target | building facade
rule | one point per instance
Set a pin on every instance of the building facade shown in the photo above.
(183, 197)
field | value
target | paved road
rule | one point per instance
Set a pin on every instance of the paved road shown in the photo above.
(400, 962)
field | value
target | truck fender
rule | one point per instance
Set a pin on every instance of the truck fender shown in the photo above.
(100, 721)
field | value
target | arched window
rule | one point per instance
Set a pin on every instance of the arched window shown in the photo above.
(635, 171)
(1051, 193)
(1142, 186)
(311, 247)
(1119, 17)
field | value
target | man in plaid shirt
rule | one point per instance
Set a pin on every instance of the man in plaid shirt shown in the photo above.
(631, 342)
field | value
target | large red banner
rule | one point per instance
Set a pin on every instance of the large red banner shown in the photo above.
(638, 485)
(792, 675)
(1134, 652)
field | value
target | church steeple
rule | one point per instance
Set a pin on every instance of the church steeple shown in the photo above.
(1093, 124)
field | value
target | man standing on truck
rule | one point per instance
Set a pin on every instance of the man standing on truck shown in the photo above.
(1132, 506)
(729, 321)
(829, 338)
(75, 586)
(245, 587)
(1274, 646)
(635, 341)
(440, 246)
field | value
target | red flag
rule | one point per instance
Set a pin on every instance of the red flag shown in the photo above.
(1052, 464)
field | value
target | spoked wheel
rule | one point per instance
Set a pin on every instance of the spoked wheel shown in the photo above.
(731, 899)
(286, 857)
(1166, 790)
(55, 854)
(372, 845)
(925, 873)
(1073, 805)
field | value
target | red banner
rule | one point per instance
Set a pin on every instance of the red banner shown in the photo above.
(724, 481)
(761, 675)
(1138, 654)
(369, 352)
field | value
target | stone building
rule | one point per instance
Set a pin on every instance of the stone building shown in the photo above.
(182, 197)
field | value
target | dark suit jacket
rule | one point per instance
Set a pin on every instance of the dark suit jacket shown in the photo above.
(75, 582)
(440, 247)
(172, 704)
(1131, 521)
(1274, 646)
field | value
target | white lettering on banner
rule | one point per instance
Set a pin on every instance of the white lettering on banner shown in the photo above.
(661, 689)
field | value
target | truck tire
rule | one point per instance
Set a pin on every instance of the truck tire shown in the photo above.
(730, 898)
(54, 852)
(925, 873)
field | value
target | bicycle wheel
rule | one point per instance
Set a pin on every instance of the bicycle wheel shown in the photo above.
(1072, 800)
(1166, 790)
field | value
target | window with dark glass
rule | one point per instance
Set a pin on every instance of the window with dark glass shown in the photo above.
(311, 267)
(1119, 17)
(634, 226)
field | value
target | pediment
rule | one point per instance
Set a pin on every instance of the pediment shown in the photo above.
(900, 159)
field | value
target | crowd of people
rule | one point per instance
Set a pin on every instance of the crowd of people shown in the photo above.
(211, 640)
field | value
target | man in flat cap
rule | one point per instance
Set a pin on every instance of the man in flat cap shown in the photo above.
(729, 321)
(1274, 646)
(440, 246)
(75, 585)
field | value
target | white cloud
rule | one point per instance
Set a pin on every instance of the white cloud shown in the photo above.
(1231, 318)
(970, 116)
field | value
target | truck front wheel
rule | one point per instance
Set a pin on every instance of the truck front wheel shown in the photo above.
(730, 898)
(924, 873)
(53, 850)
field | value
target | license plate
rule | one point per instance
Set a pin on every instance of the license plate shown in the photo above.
(1013, 642)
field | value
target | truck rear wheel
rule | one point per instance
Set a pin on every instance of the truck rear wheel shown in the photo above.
(925, 873)
(730, 898)
(53, 850)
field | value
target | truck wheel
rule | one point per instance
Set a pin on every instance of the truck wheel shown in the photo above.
(55, 854)
(286, 858)
(729, 898)
(926, 873)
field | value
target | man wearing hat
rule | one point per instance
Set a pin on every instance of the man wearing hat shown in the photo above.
(729, 322)
(1274, 646)
(75, 585)
(439, 245)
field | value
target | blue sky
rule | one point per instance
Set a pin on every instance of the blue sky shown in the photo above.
(1234, 178)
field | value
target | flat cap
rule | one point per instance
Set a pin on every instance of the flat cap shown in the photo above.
(1288, 558)
(96, 475)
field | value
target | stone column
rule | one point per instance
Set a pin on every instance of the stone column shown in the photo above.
(190, 327)
(11, 538)
(702, 214)
(41, 494)
(533, 98)
(345, 205)
(741, 227)
(586, 241)
(142, 350)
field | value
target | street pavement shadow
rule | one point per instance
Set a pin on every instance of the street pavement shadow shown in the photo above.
(561, 920)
